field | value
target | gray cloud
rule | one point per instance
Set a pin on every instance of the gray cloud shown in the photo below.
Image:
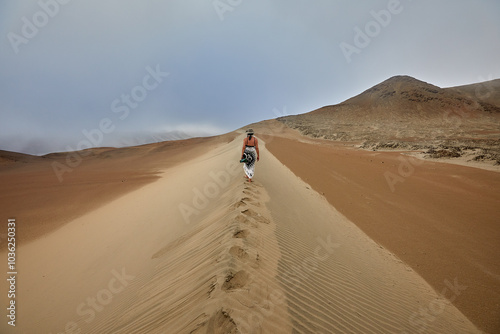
(223, 74)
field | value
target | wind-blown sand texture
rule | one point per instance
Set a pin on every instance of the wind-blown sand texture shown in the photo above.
(199, 250)
(32, 192)
(441, 219)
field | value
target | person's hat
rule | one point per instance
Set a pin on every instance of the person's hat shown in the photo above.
(250, 131)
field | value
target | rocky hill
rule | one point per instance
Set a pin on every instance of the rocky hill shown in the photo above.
(405, 112)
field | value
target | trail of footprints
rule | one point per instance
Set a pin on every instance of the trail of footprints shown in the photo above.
(243, 263)
(248, 220)
(218, 278)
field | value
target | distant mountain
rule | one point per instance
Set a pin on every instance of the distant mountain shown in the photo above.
(406, 109)
(408, 97)
(7, 157)
(487, 92)
(158, 145)
(135, 139)
(41, 146)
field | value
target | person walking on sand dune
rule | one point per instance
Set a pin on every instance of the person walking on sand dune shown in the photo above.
(249, 153)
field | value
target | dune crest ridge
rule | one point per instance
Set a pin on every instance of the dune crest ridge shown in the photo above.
(218, 278)
(272, 256)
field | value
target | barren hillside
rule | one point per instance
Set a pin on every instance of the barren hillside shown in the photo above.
(403, 112)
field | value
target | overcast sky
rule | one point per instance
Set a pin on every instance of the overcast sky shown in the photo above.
(209, 67)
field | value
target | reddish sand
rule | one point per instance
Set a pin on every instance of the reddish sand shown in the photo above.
(32, 193)
(201, 250)
(441, 219)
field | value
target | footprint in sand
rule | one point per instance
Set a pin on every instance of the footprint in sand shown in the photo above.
(239, 253)
(245, 201)
(235, 281)
(251, 201)
(249, 193)
(251, 190)
(239, 204)
(244, 220)
(220, 322)
(255, 216)
(241, 234)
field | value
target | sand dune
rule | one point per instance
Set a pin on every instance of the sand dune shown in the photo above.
(200, 250)
(441, 219)
(33, 193)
